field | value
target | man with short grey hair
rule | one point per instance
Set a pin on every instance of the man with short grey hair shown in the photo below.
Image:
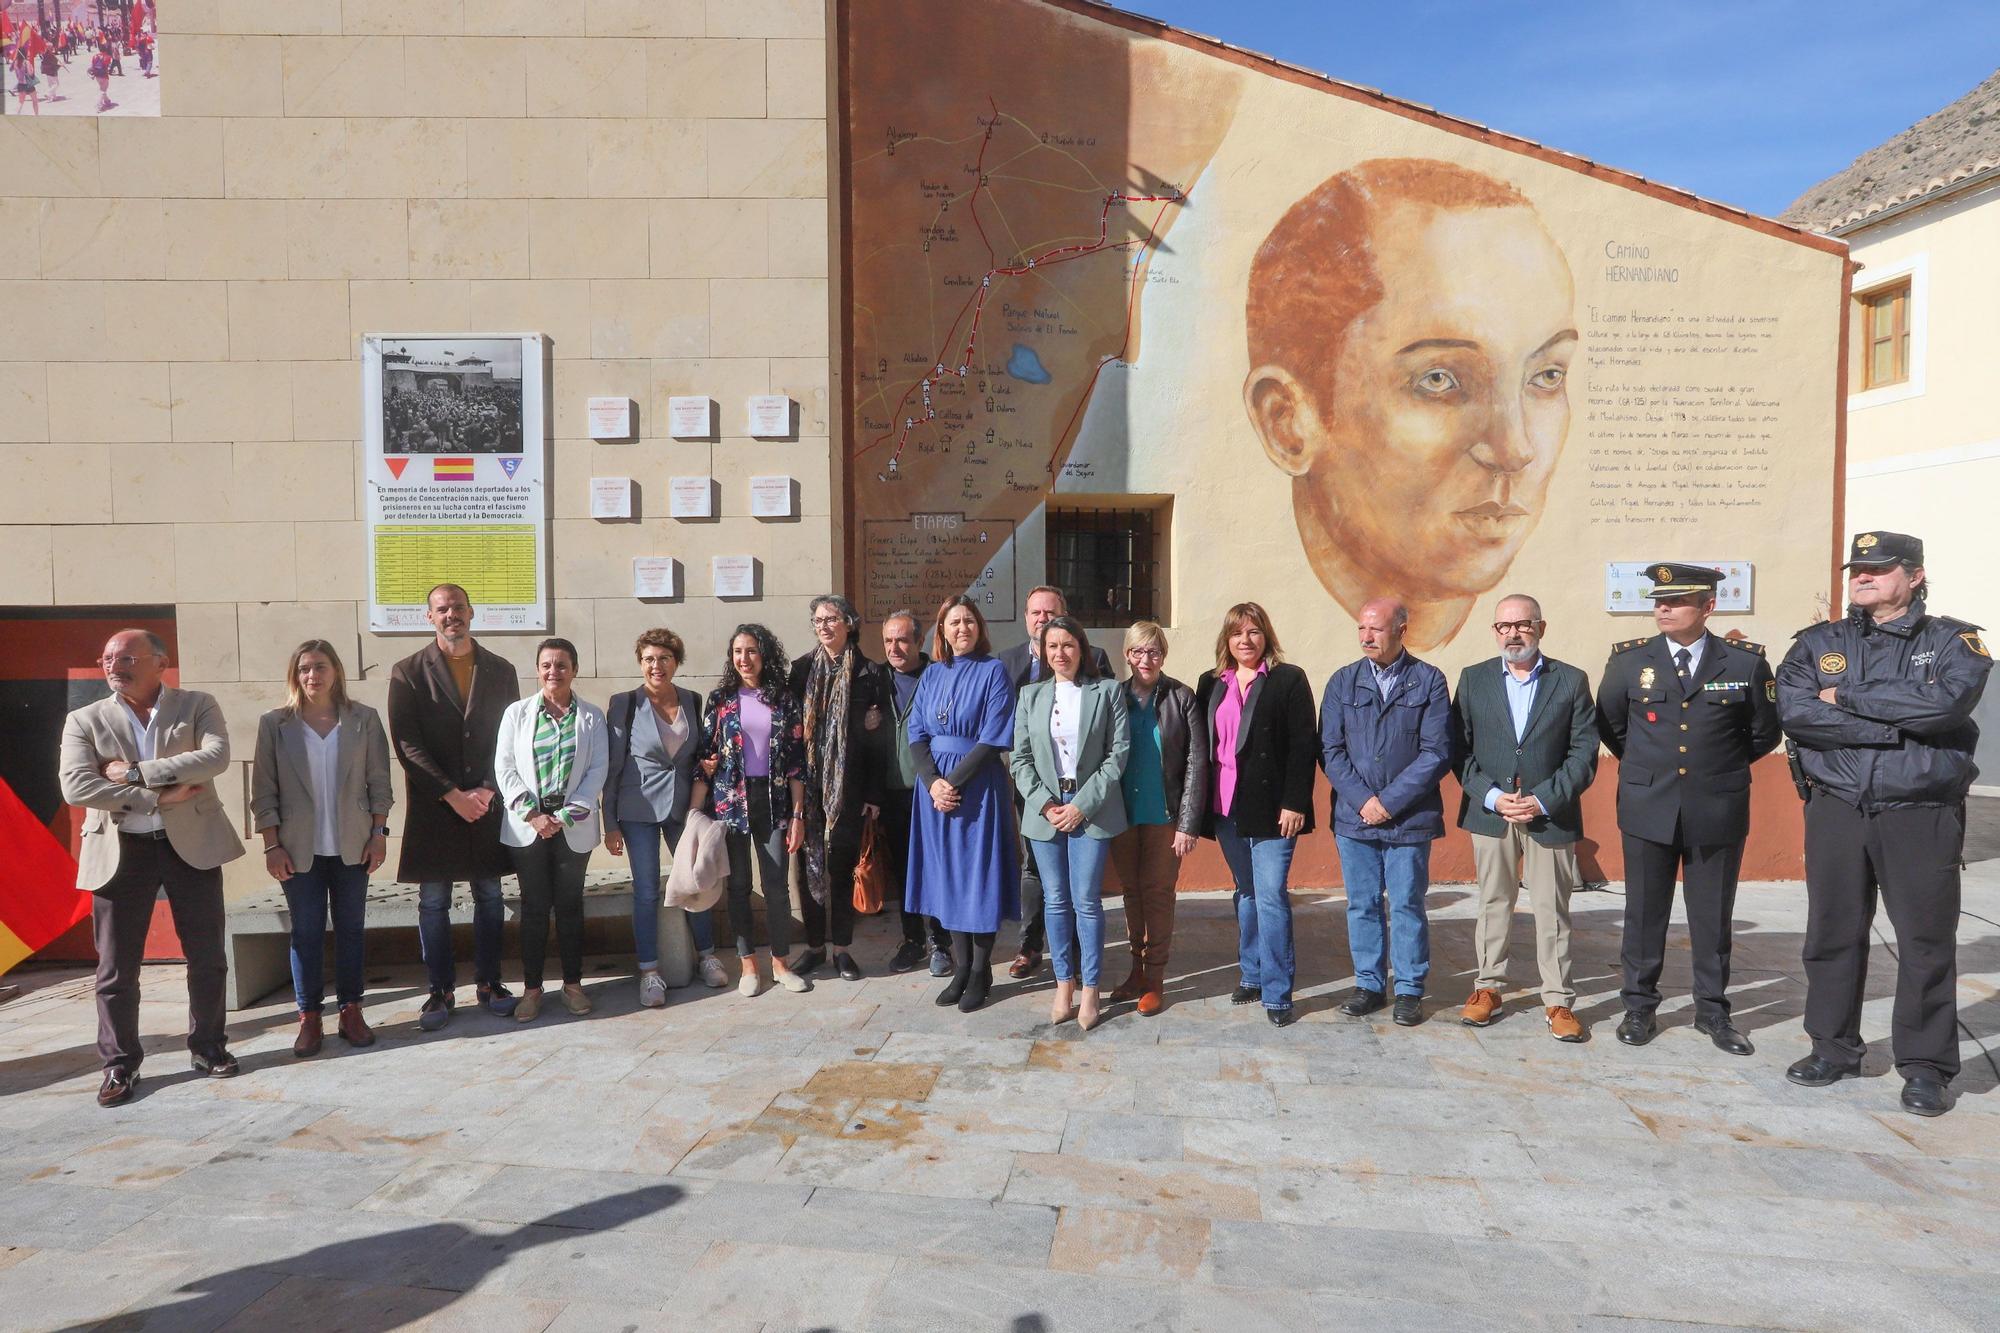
(143, 763)
(923, 938)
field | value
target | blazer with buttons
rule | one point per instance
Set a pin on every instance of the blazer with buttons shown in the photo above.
(514, 770)
(1277, 750)
(1554, 759)
(281, 786)
(1103, 741)
(1684, 758)
(442, 742)
(192, 746)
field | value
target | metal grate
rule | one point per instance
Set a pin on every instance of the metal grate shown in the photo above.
(1107, 563)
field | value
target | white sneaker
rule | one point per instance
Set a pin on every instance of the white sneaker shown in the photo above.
(790, 980)
(712, 973)
(652, 990)
(752, 982)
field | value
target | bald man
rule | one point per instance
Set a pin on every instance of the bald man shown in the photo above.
(1385, 743)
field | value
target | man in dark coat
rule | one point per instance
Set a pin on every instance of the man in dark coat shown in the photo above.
(1686, 713)
(923, 938)
(445, 702)
(1880, 703)
(833, 837)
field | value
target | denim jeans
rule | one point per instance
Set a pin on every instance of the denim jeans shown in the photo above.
(642, 844)
(764, 845)
(1260, 867)
(434, 932)
(329, 881)
(1401, 936)
(1072, 873)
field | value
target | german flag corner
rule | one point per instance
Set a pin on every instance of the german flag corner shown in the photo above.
(39, 899)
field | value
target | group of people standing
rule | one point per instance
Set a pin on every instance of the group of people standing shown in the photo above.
(37, 53)
(1001, 786)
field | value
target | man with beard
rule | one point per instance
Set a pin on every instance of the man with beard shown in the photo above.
(1528, 737)
(1880, 703)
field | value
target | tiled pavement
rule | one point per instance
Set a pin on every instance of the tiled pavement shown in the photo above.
(858, 1158)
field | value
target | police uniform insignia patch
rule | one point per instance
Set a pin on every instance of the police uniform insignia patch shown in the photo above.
(1866, 541)
(1972, 642)
(1832, 664)
(1646, 675)
(1662, 574)
(1771, 691)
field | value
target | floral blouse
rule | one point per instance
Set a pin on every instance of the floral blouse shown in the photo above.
(729, 794)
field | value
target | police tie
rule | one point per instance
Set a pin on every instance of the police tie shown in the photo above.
(1682, 659)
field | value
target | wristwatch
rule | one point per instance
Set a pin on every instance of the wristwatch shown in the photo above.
(383, 831)
(133, 777)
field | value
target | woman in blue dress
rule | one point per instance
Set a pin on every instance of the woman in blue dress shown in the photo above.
(964, 849)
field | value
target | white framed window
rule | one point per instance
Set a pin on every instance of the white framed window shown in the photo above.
(1886, 333)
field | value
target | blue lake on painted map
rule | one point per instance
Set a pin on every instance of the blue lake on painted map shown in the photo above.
(1023, 364)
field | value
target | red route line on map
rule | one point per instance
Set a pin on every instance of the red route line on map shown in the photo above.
(976, 303)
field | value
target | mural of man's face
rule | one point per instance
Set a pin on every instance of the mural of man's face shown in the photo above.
(1425, 467)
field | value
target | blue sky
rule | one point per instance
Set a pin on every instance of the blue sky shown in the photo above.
(1744, 101)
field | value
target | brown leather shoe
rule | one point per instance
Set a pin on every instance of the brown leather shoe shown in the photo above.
(1563, 1024)
(1025, 965)
(1131, 988)
(1151, 1002)
(354, 1028)
(311, 1034)
(117, 1087)
(1481, 1008)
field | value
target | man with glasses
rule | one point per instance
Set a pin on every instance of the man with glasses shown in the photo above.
(1527, 735)
(143, 763)
(1686, 713)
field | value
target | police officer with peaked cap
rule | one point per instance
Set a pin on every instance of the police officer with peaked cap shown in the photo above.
(1687, 713)
(1880, 703)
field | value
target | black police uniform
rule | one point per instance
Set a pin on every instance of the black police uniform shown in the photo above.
(1685, 748)
(1889, 763)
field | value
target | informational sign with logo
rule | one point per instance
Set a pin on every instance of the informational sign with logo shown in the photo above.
(453, 468)
(690, 497)
(1626, 583)
(734, 575)
(691, 418)
(770, 497)
(770, 416)
(655, 576)
(611, 497)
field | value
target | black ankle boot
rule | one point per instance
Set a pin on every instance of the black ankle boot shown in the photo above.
(961, 971)
(976, 990)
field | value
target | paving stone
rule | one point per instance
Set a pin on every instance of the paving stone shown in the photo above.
(1002, 1233)
(1128, 1137)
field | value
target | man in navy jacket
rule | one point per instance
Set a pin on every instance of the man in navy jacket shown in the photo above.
(1385, 743)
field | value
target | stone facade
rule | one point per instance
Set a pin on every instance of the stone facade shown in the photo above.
(643, 181)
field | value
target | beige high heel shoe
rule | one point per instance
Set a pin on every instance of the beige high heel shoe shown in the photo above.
(1064, 1003)
(1087, 1015)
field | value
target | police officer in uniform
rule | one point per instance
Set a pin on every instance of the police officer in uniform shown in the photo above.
(1686, 713)
(1880, 703)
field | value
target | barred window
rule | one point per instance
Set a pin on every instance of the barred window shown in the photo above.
(1109, 559)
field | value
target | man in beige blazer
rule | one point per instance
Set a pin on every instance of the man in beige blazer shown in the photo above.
(142, 762)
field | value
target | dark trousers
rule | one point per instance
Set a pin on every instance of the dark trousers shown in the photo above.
(1034, 935)
(835, 918)
(328, 883)
(120, 913)
(1709, 882)
(551, 875)
(894, 839)
(1910, 859)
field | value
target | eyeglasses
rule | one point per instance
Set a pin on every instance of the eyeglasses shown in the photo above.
(1144, 655)
(1515, 626)
(828, 622)
(124, 660)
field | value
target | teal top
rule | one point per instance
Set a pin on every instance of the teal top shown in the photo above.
(1144, 780)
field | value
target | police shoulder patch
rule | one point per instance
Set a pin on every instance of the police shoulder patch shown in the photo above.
(1971, 641)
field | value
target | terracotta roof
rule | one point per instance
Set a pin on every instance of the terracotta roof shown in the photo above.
(1937, 152)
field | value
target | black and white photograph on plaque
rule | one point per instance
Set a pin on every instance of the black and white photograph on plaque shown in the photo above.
(452, 396)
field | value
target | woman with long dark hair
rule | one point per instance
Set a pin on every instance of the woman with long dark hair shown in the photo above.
(753, 765)
(964, 864)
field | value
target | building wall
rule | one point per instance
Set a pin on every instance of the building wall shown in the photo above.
(644, 181)
(1925, 457)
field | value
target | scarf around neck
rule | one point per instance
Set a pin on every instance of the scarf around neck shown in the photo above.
(828, 689)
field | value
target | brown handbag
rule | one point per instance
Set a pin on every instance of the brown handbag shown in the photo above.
(871, 871)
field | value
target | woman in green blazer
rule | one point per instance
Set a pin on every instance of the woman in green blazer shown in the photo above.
(1070, 744)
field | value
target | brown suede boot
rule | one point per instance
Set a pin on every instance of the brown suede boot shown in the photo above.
(310, 1035)
(354, 1028)
(1131, 988)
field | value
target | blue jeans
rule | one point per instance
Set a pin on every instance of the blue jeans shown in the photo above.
(1260, 867)
(1402, 873)
(329, 881)
(642, 844)
(434, 932)
(1072, 870)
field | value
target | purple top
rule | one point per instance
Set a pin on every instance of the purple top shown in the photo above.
(1228, 720)
(756, 734)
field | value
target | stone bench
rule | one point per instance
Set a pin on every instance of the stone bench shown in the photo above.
(257, 929)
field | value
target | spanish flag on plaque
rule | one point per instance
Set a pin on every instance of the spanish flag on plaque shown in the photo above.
(39, 899)
(451, 469)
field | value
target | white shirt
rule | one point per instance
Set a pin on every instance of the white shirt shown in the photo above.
(323, 763)
(145, 743)
(1693, 651)
(1065, 719)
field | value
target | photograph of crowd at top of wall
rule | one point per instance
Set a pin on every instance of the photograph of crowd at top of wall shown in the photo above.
(80, 57)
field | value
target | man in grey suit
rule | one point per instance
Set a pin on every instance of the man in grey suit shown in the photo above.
(1024, 667)
(1527, 737)
(143, 762)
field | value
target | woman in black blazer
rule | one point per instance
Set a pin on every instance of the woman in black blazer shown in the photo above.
(1264, 741)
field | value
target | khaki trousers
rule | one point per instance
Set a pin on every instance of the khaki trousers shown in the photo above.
(1551, 875)
(1149, 870)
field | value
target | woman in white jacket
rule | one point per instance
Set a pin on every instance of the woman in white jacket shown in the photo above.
(551, 761)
